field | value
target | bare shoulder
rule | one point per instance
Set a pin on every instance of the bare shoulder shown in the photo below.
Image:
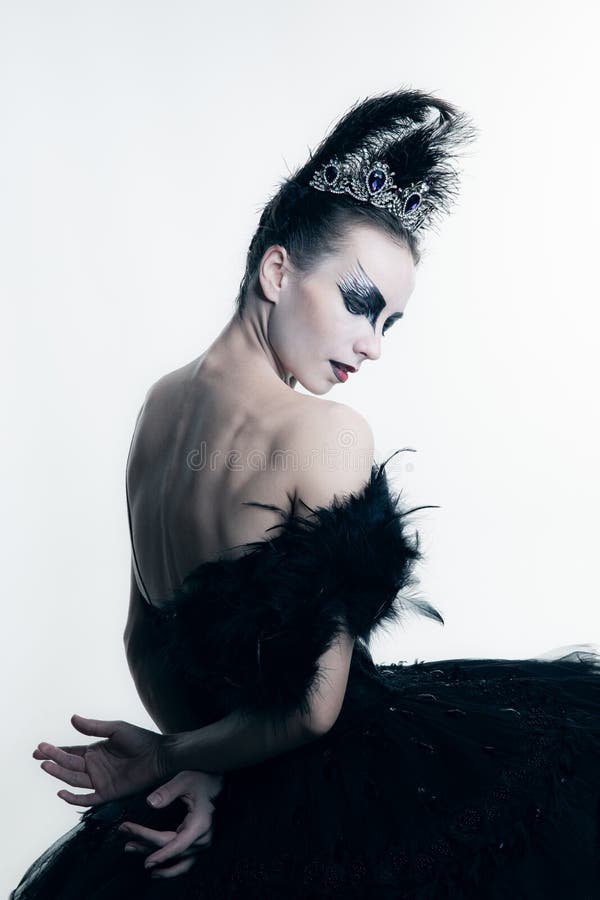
(341, 426)
(335, 444)
(164, 388)
(159, 403)
(162, 397)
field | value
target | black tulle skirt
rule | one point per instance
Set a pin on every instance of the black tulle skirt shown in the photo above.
(462, 778)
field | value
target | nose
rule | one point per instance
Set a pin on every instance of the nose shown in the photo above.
(369, 345)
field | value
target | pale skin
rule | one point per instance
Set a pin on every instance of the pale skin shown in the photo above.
(237, 396)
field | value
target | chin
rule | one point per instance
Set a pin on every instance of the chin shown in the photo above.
(318, 388)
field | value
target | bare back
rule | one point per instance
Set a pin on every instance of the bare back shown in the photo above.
(203, 445)
(206, 441)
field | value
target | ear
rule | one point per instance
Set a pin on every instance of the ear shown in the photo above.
(273, 271)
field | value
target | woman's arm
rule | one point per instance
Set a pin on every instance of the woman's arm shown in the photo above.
(157, 696)
(236, 741)
(132, 759)
(243, 739)
(159, 691)
(239, 739)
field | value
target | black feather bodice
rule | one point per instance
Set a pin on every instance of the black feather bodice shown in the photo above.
(249, 631)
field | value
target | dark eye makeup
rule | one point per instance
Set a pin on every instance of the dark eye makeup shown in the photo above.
(363, 298)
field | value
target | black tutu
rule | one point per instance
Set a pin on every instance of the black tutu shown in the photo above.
(465, 778)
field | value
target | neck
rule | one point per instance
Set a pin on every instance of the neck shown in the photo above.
(243, 347)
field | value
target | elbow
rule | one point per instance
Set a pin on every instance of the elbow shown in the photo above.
(322, 725)
(320, 728)
(330, 688)
(322, 718)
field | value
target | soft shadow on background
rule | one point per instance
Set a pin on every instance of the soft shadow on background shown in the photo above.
(140, 141)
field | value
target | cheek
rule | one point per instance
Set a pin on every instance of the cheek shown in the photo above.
(315, 316)
(319, 323)
(299, 332)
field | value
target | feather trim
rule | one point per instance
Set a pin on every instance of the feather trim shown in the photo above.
(249, 632)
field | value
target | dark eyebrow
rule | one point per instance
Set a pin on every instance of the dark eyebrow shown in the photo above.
(394, 318)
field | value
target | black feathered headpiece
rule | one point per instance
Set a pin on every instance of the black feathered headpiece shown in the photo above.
(394, 151)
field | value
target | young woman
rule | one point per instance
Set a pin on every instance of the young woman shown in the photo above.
(267, 546)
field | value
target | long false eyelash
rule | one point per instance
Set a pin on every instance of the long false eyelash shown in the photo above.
(359, 306)
(360, 296)
(359, 310)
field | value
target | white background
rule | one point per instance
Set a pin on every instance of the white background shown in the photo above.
(139, 143)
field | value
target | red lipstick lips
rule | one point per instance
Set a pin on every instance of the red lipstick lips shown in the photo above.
(341, 370)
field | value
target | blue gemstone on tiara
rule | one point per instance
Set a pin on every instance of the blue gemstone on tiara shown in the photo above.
(330, 174)
(365, 176)
(412, 203)
(376, 180)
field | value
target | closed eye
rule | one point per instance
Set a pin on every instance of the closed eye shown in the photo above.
(363, 298)
(361, 303)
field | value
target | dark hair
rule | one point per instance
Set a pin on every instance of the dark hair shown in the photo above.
(313, 224)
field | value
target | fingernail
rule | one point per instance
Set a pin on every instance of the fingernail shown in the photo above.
(129, 848)
(154, 799)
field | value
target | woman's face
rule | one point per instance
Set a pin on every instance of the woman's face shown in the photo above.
(340, 312)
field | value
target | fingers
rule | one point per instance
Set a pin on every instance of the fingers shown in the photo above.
(170, 843)
(169, 791)
(79, 750)
(142, 847)
(148, 836)
(178, 869)
(61, 756)
(77, 779)
(136, 846)
(180, 843)
(159, 838)
(80, 799)
(94, 727)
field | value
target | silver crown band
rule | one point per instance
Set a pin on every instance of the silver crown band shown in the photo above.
(366, 177)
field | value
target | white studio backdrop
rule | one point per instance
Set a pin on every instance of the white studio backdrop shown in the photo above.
(140, 140)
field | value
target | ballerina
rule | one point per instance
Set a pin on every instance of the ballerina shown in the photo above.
(287, 764)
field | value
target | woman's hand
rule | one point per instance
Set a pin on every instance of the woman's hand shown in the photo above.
(197, 790)
(130, 760)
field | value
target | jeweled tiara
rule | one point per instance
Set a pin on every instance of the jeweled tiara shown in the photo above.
(366, 176)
